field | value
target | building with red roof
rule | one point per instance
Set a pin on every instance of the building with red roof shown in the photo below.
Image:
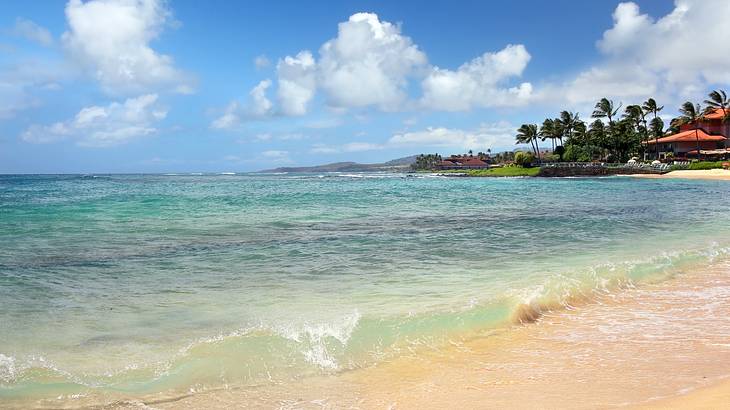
(711, 134)
(463, 162)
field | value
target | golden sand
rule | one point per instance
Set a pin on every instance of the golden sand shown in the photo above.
(659, 346)
(712, 174)
(710, 398)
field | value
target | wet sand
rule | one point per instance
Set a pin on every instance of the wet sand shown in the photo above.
(713, 397)
(711, 174)
(665, 345)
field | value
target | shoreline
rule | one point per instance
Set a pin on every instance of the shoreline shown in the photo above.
(708, 174)
(714, 396)
(571, 359)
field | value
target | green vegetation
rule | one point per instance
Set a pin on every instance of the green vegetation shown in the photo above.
(426, 161)
(509, 171)
(614, 136)
(528, 133)
(524, 159)
(705, 165)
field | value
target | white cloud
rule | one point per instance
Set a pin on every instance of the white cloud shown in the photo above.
(280, 137)
(673, 58)
(14, 98)
(297, 82)
(32, 31)
(97, 126)
(20, 82)
(276, 156)
(368, 63)
(261, 62)
(259, 106)
(349, 147)
(231, 117)
(111, 38)
(324, 123)
(486, 136)
(479, 83)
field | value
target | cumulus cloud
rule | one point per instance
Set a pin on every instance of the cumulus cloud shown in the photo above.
(98, 126)
(479, 83)
(111, 38)
(673, 58)
(368, 63)
(297, 82)
(371, 63)
(230, 118)
(261, 104)
(485, 136)
(32, 31)
(258, 106)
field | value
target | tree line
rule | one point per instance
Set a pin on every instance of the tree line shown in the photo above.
(614, 135)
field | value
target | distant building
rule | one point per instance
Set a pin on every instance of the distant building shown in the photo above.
(463, 162)
(712, 134)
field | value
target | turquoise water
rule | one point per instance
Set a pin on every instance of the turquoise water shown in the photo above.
(128, 285)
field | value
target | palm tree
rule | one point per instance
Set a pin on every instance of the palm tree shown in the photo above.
(657, 129)
(551, 129)
(547, 131)
(568, 121)
(606, 109)
(597, 136)
(635, 114)
(528, 133)
(579, 135)
(650, 106)
(691, 114)
(718, 99)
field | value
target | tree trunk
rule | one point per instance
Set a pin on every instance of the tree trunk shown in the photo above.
(697, 137)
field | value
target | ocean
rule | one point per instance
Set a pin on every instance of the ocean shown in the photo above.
(130, 286)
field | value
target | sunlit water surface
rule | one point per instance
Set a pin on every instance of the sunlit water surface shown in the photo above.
(130, 285)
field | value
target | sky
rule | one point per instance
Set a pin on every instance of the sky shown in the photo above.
(118, 86)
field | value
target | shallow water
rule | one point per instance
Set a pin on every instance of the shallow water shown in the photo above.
(134, 285)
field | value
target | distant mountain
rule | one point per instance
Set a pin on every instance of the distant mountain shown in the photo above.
(399, 164)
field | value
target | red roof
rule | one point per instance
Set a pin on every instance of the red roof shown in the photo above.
(717, 114)
(447, 163)
(474, 162)
(689, 136)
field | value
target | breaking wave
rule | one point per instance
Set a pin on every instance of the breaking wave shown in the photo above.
(268, 353)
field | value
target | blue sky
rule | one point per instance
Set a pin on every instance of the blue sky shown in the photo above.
(155, 86)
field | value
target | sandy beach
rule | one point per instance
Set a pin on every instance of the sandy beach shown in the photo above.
(713, 397)
(571, 359)
(709, 174)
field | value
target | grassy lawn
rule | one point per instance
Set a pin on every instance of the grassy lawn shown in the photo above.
(705, 165)
(499, 172)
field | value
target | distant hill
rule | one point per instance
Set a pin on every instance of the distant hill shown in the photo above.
(399, 164)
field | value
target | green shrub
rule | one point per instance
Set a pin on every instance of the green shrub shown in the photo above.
(524, 159)
(705, 165)
(505, 172)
